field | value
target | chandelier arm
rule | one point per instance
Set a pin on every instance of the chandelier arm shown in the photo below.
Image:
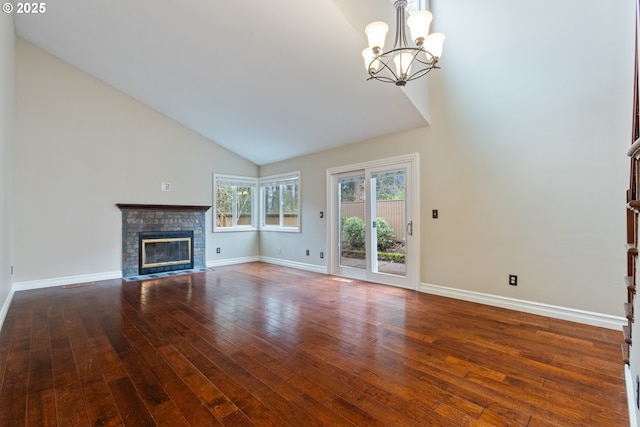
(420, 73)
(385, 66)
(387, 56)
(430, 59)
(431, 64)
(389, 53)
(382, 79)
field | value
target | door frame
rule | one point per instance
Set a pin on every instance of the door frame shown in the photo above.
(411, 161)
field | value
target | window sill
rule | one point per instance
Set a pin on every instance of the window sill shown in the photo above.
(281, 230)
(233, 229)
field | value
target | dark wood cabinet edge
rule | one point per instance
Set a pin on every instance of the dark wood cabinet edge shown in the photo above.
(625, 353)
(628, 311)
(626, 331)
(631, 286)
(634, 204)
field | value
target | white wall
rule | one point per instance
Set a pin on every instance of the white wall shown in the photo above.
(525, 158)
(7, 43)
(81, 147)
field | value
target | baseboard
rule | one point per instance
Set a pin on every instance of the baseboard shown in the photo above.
(293, 264)
(232, 261)
(557, 312)
(68, 280)
(5, 307)
(631, 397)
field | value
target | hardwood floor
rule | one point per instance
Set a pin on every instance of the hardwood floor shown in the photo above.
(259, 344)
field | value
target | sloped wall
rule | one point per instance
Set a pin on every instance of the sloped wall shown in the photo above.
(81, 147)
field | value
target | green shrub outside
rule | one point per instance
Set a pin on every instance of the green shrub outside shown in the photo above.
(353, 230)
(354, 233)
(384, 233)
(391, 256)
(382, 256)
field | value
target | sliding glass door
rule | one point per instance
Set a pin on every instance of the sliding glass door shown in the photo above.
(372, 223)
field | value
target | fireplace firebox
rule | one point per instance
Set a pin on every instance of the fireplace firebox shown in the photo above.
(162, 251)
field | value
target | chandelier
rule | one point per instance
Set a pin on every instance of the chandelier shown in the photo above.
(403, 63)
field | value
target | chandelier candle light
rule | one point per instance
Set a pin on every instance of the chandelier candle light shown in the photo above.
(422, 58)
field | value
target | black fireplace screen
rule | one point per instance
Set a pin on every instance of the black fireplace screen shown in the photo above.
(165, 251)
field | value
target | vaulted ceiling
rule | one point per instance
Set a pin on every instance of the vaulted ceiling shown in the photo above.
(267, 79)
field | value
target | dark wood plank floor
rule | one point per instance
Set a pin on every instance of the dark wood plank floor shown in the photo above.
(263, 345)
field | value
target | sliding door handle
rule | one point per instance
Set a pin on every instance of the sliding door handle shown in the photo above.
(410, 228)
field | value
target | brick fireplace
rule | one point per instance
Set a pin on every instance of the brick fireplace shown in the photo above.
(139, 221)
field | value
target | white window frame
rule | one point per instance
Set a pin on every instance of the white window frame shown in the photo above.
(280, 180)
(235, 181)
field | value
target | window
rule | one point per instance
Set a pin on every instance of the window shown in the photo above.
(234, 203)
(280, 202)
(415, 5)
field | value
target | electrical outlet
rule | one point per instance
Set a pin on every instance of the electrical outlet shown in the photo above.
(217, 250)
(513, 280)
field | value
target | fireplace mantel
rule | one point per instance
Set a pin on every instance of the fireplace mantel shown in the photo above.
(181, 208)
